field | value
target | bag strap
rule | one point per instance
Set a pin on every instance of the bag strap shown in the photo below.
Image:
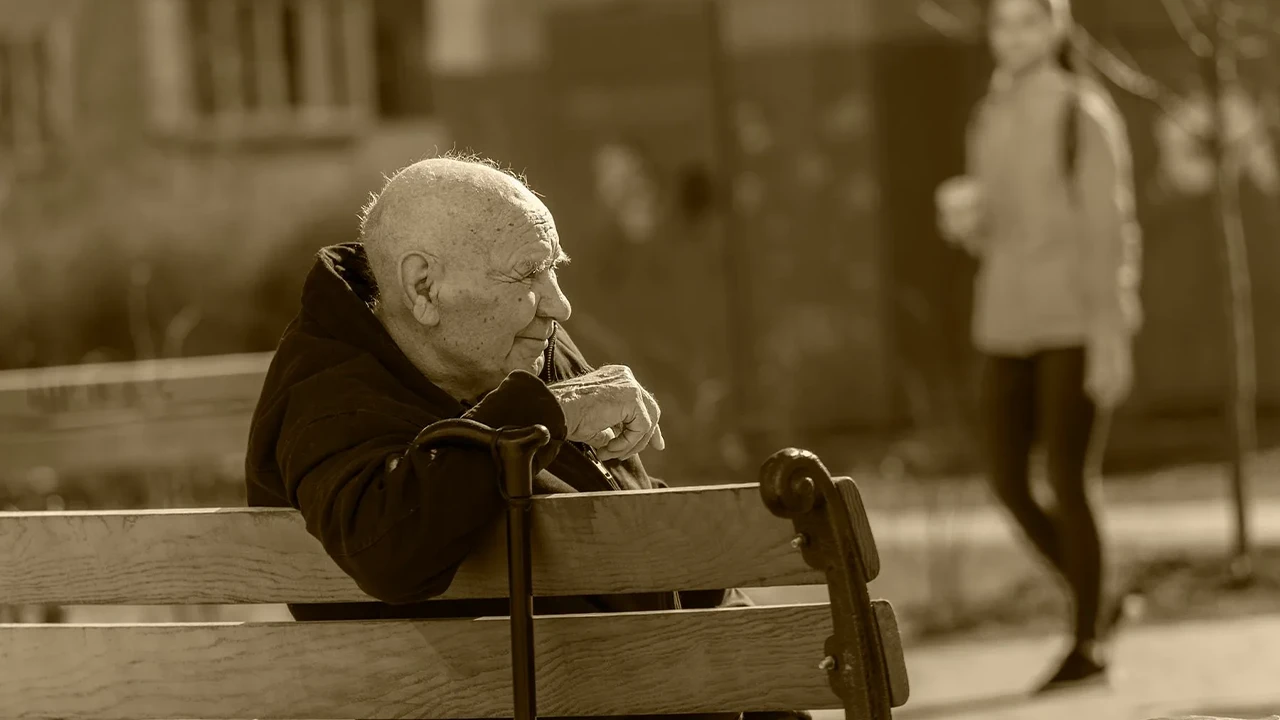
(1071, 143)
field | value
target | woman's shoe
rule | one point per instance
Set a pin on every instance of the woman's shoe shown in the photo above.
(1128, 607)
(1079, 669)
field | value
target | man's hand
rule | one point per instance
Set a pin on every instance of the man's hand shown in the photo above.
(608, 410)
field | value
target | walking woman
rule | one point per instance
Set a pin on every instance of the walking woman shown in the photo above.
(1047, 208)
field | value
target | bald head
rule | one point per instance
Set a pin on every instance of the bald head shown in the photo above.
(464, 256)
(450, 209)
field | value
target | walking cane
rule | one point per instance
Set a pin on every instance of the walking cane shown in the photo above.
(513, 449)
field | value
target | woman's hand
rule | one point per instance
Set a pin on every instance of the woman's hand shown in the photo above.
(1108, 368)
(961, 210)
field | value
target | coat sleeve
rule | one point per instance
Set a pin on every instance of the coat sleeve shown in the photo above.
(400, 520)
(1113, 243)
(978, 242)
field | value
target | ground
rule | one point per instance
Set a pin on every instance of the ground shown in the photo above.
(1221, 668)
(962, 568)
(982, 618)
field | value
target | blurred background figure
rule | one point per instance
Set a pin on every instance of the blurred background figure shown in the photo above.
(1047, 207)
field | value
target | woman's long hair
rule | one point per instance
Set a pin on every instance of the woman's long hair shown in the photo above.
(1065, 57)
(1060, 11)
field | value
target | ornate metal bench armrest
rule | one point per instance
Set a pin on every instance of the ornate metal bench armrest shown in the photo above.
(865, 668)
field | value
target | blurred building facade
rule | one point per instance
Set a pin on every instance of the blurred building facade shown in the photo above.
(161, 158)
(745, 185)
(821, 289)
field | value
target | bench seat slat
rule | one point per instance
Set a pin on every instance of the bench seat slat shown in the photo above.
(761, 658)
(685, 539)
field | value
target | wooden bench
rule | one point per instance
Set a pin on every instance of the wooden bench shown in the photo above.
(128, 416)
(842, 654)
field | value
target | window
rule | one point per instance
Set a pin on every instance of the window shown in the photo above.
(35, 101)
(260, 68)
(404, 78)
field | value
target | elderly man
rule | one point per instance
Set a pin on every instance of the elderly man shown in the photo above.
(448, 307)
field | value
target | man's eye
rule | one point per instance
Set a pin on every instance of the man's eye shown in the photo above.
(534, 272)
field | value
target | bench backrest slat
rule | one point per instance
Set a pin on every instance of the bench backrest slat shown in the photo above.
(686, 539)
(662, 662)
(150, 413)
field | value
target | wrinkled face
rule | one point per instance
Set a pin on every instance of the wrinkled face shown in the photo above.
(1022, 33)
(497, 304)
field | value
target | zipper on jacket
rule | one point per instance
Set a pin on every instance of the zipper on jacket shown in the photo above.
(548, 377)
(548, 356)
(590, 452)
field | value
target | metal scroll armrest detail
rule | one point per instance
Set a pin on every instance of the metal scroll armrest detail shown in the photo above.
(832, 532)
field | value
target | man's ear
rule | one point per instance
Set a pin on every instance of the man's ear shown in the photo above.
(418, 287)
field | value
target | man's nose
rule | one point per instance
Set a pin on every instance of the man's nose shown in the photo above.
(552, 302)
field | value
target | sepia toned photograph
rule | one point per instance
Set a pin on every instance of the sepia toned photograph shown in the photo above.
(718, 359)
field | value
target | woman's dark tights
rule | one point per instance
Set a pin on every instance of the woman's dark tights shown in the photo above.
(1042, 397)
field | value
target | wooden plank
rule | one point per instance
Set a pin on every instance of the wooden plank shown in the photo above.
(166, 439)
(682, 539)
(128, 415)
(728, 660)
(28, 395)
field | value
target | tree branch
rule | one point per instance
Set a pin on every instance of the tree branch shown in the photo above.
(1126, 75)
(1195, 38)
(944, 21)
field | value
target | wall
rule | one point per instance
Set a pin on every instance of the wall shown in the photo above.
(804, 129)
(751, 299)
(131, 236)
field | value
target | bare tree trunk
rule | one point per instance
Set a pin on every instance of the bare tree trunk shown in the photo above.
(1219, 70)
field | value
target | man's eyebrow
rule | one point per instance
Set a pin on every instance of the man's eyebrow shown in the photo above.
(558, 257)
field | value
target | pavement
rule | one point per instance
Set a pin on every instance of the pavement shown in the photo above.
(1180, 524)
(1227, 668)
(967, 556)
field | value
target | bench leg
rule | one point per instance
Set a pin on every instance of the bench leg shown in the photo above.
(834, 536)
